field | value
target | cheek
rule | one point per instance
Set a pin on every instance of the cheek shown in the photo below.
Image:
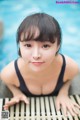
(49, 56)
(25, 54)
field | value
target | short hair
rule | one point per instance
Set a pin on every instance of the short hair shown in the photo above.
(47, 26)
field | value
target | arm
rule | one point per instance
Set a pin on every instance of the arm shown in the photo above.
(64, 90)
(9, 78)
(15, 91)
(62, 100)
(17, 97)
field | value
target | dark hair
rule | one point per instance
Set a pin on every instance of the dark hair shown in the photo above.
(47, 26)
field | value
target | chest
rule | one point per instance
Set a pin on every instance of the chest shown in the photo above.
(41, 85)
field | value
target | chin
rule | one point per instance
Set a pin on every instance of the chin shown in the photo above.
(36, 69)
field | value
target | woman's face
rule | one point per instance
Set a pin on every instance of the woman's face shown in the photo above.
(38, 55)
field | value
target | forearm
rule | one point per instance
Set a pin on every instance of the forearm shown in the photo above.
(15, 91)
(65, 88)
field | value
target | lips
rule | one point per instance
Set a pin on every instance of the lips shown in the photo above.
(37, 63)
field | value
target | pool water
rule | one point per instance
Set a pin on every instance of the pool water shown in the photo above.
(12, 12)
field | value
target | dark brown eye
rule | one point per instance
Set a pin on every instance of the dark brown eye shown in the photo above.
(46, 46)
(28, 45)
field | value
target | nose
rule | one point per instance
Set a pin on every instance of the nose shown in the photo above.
(36, 54)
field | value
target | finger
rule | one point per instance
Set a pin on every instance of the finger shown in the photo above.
(25, 100)
(78, 106)
(57, 106)
(76, 110)
(12, 102)
(64, 110)
(70, 109)
(5, 107)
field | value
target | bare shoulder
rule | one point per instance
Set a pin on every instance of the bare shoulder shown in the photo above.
(72, 68)
(8, 73)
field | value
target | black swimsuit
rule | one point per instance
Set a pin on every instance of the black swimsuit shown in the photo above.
(25, 90)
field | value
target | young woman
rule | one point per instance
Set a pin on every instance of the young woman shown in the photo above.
(40, 70)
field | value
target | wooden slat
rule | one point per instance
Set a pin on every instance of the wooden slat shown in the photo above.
(11, 112)
(32, 108)
(37, 107)
(22, 110)
(28, 111)
(47, 107)
(78, 99)
(52, 108)
(17, 111)
(42, 107)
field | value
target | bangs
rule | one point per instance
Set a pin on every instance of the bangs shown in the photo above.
(34, 33)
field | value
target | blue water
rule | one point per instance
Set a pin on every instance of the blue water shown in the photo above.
(12, 12)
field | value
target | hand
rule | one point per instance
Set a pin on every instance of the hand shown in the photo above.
(64, 102)
(16, 99)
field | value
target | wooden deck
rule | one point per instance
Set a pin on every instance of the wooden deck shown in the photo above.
(40, 108)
